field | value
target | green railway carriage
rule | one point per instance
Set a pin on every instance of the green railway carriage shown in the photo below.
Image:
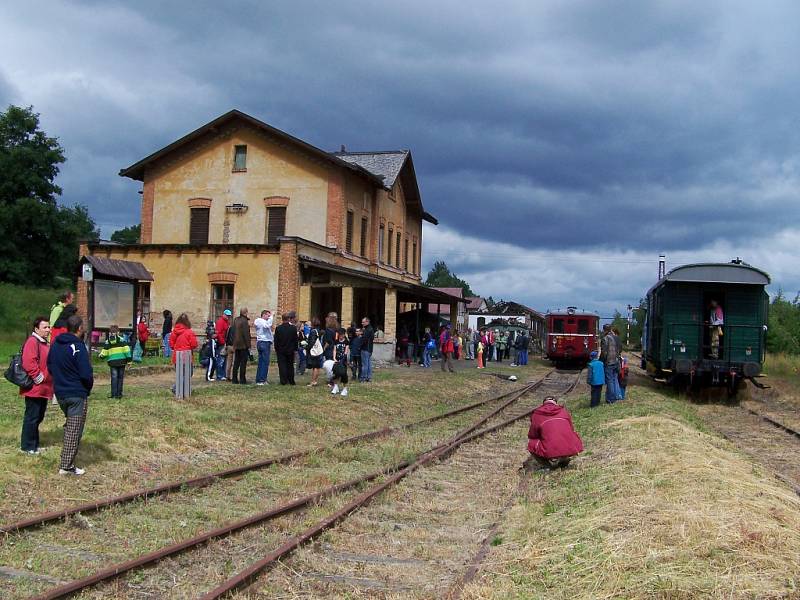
(681, 344)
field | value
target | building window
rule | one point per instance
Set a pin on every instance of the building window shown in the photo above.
(405, 254)
(221, 298)
(389, 246)
(348, 240)
(397, 251)
(381, 231)
(276, 223)
(364, 225)
(239, 158)
(198, 226)
(414, 257)
(143, 299)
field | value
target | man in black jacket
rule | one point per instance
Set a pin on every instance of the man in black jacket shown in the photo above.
(71, 369)
(285, 346)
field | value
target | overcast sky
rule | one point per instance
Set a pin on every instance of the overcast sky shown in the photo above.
(562, 145)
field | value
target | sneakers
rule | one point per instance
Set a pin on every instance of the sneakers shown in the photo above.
(344, 392)
(72, 471)
(259, 383)
(31, 452)
(335, 389)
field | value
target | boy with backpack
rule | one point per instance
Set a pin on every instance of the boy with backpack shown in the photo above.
(623, 376)
(210, 351)
(595, 377)
(117, 352)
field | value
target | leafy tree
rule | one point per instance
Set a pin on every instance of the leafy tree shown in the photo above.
(441, 276)
(783, 333)
(127, 235)
(38, 238)
(620, 321)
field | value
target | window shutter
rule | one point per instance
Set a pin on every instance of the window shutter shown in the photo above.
(389, 247)
(405, 254)
(380, 243)
(348, 242)
(198, 226)
(276, 223)
(414, 258)
(397, 251)
(364, 225)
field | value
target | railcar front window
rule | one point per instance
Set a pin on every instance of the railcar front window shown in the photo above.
(558, 325)
(583, 325)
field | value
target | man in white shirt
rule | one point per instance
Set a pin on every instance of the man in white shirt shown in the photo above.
(264, 340)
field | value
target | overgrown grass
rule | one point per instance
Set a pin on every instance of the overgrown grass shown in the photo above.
(655, 508)
(18, 307)
(782, 365)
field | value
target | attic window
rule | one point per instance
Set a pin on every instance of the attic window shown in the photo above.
(239, 159)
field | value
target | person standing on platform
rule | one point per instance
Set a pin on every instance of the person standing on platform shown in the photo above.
(183, 341)
(166, 329)
(241, 347)
(595, 377)
(264, 341)
(285, 347)
(225, 354)
(34, 361)
(71, 369)
(366, 350)
(117, 353)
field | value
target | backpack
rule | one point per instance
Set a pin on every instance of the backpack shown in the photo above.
(16, 374)
(229, 336)
(431, 344)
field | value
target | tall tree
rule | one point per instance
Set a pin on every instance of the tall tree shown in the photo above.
(127, 235)
(441, 276)
(38, 238)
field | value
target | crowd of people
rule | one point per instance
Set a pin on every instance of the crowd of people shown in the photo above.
(58, 365)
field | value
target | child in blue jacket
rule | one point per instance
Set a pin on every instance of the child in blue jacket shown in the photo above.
(595, 377)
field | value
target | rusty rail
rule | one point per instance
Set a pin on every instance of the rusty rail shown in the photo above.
(777, 424)
(211, 478)
(118, 569)
(244, 577)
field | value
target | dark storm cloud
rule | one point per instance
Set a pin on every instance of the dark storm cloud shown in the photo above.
(622, 124)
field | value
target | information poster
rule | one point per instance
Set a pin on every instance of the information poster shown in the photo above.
(113, 304)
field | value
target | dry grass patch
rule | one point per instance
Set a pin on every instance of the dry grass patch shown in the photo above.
(659, 510)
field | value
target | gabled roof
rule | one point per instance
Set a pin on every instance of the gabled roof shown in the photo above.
(386, 164)
(390, 165)
(136, 170)
(506, 307)
(474, 303)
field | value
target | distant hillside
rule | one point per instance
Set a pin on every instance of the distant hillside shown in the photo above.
(19, 306)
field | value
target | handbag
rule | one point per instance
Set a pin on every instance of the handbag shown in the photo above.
(137, 352)
(316, 349)
(16, 374)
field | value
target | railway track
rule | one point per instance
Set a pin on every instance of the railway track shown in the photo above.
(277, 525)
(172, 496)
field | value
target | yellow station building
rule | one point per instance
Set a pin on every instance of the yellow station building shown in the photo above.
(240, 214)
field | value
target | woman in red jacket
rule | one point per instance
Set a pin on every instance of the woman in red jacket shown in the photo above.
(552, 439)
(34, 361)
(182, 341)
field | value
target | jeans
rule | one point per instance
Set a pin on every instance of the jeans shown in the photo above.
(426, 357)
(220, 361)
(167, 349)
(117, 379)
(522, 357)
(355, 366)
(264, 349)
(366, 365)
(301, 361)
(34, 415)
(612, 383)
(597, 392)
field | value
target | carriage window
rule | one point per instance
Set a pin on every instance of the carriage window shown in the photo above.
(571, 322)
(583, 325)
(558, 325)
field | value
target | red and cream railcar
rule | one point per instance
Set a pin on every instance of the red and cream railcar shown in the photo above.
(571, 335)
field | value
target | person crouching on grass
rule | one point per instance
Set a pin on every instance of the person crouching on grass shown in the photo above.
(336, 370)
(117, 353)
(552, 439)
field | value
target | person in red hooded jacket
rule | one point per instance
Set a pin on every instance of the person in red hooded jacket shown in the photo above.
(183, 341)
(552, 439)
